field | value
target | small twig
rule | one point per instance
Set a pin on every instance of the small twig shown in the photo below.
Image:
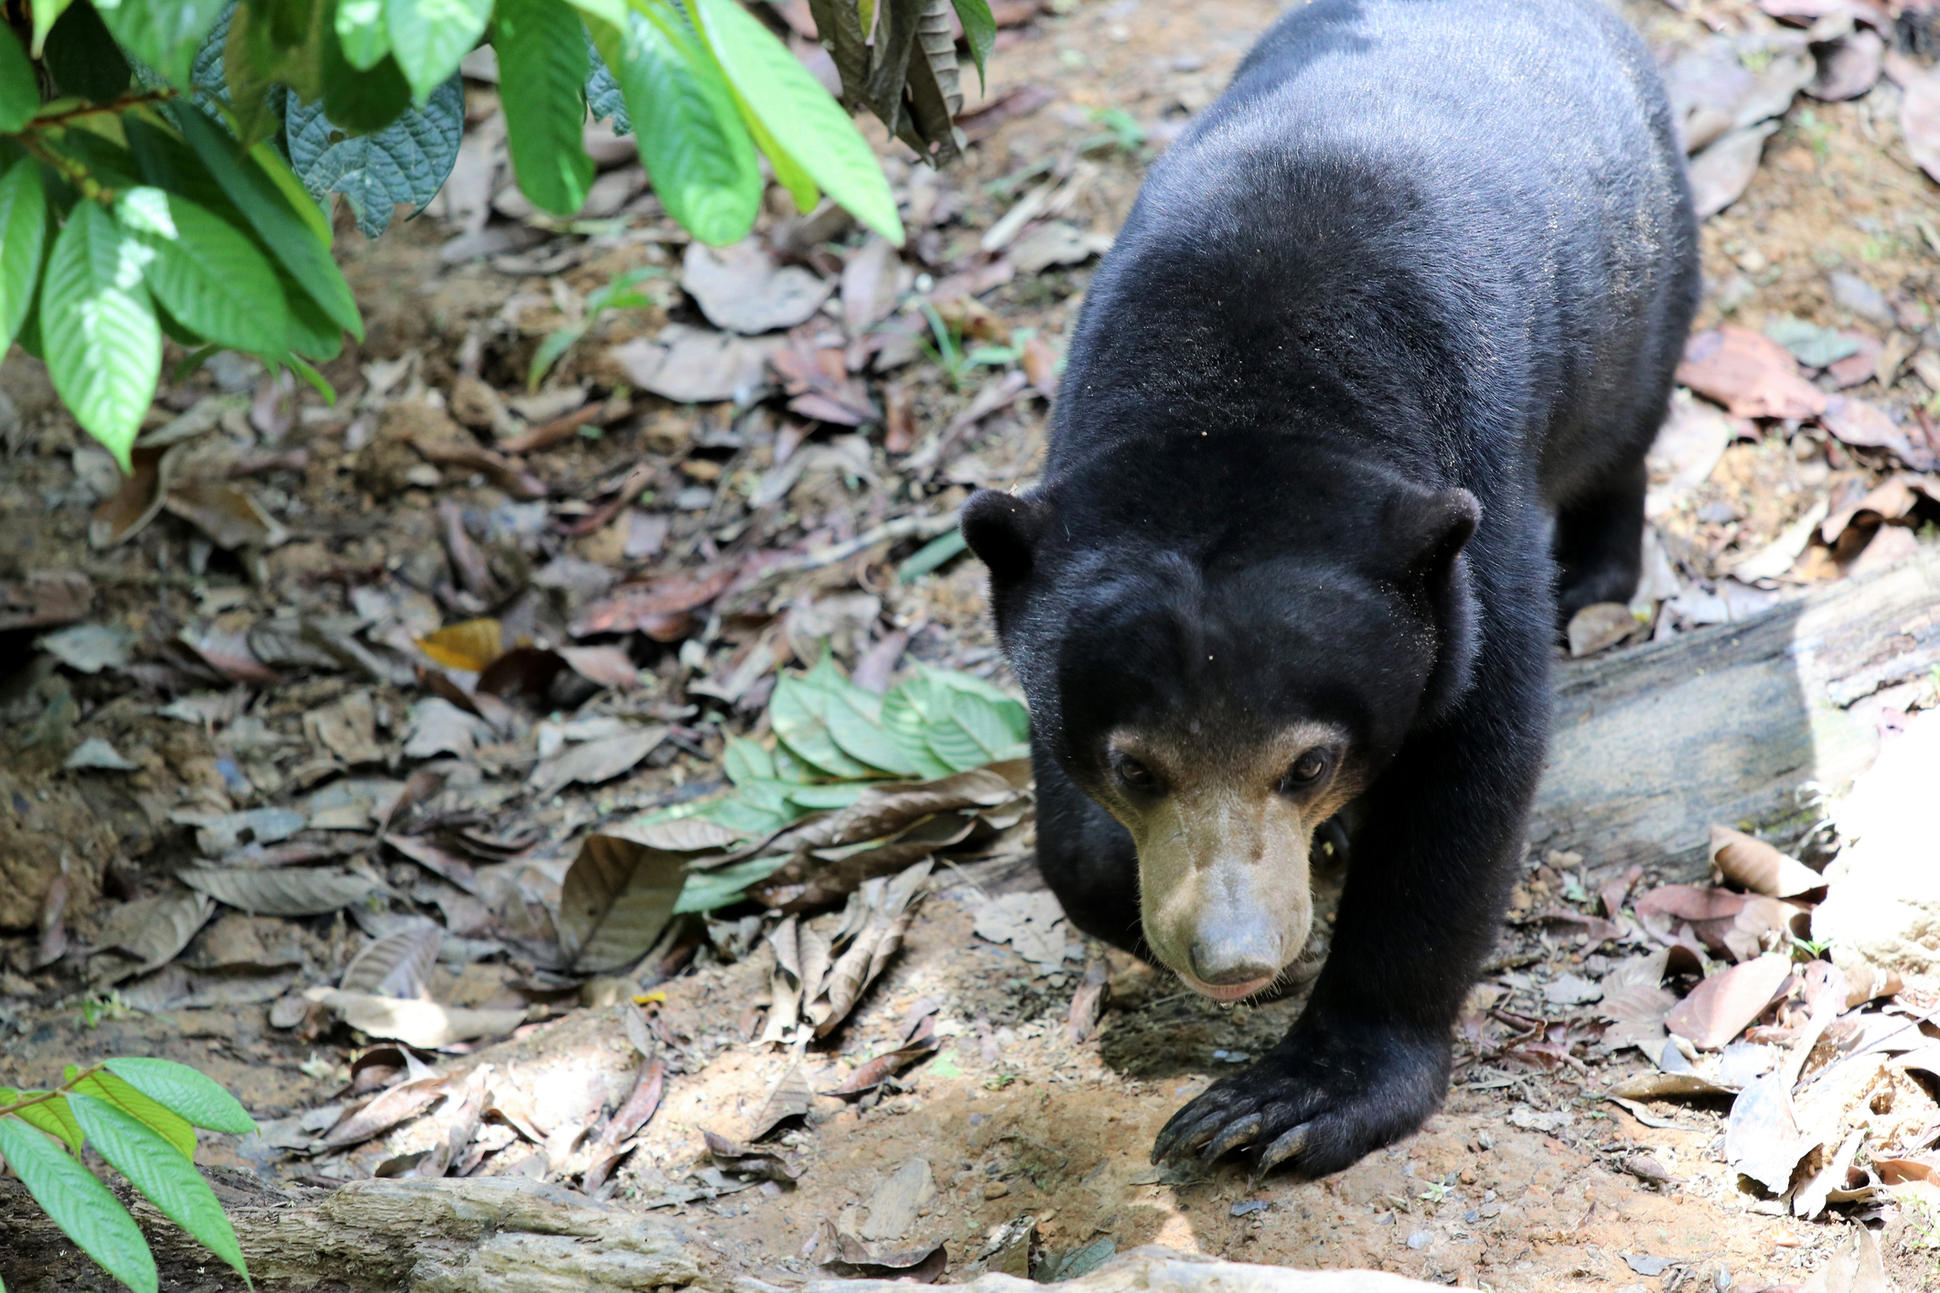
(903, 527)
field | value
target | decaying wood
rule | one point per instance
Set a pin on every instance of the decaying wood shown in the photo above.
(510, 1235)
(1725, 725)
(1161, 1270)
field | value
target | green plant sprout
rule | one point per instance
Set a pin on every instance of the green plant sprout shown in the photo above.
(616, 295)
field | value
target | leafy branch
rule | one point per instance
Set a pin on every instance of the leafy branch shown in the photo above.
(140, 1116)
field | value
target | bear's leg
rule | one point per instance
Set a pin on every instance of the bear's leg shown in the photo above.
(1599, 542)
(1437, 851)
(1087, 859)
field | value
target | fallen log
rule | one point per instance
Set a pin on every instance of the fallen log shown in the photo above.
(512, 1235)
(1728, 724)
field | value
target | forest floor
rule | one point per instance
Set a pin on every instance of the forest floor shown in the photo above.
(238, 686)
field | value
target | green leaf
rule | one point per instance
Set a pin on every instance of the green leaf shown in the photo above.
(808, 125)
(104, 348)
(206, 72)
(429, 38)
(308, 208)
(172, 1127)
(51, 1116)
(744, 761)
(604, 99)
(165, 34)
(788, 174)
(854, 720)
(542, 69)
(83, 58)
(722, 886)
(248, 79)
(199, 1099)
(748, 817)
(80, 1205)
(958, 722)
(798, 713)
(691, 139)
(361, 33)
(270, 212)
(363, 102)
(979, 31)
(19, 88)
(23, 237)
(284, 43)
(610, 12)
(312, 333)
(406, 162)
(556, 343)
(943, 548)
(46, 13)
(164, 1177)
(206, 273)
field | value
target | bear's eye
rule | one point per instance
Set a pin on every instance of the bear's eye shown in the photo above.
(1308, 769)
(1134, 775)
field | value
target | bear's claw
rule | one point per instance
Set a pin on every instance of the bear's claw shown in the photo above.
(1313, 1105)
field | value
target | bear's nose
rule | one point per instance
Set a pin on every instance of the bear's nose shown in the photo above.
(1222, 963)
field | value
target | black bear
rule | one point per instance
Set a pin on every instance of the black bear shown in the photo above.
(1355, 410)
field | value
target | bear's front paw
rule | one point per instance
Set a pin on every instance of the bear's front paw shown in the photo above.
(1316, 1103)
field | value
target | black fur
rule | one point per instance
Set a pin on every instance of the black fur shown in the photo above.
(1426, 268)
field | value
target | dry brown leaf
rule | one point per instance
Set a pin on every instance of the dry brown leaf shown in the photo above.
(423, 1024)
(850, 1256)
(469, 645)
(889, 907)
(897, 1201)
(396, 965)
(697, 365)
(229, 516)
(742, 289)
(154, 930)
(1599, 627)
(1920, 118)
(1723, 171)
(438, 861)
(1032, 923)
(1865, 426)
(1671, 1086)
(791, 1098)
(1635, 1002)
(872, 1073)
(657, 608)
(347, 727)
(609, 666)
(42, 598)
(1719, 1007)
(387, 1109)
(1848, 67)
(591, 762)
(305, 891)
(1750, 374)
(499, 469)
(617, 897)
(1750, 863)
(869, 285)
(744, 1160)
(128, 511)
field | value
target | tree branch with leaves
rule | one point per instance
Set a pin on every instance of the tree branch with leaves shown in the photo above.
(167, 166)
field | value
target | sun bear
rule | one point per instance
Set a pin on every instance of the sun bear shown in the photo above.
(1355, 413)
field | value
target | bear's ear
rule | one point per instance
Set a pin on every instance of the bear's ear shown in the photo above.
(1003, 530)
(1429, 530)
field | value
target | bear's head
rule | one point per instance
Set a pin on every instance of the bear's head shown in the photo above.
(1224, 671)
